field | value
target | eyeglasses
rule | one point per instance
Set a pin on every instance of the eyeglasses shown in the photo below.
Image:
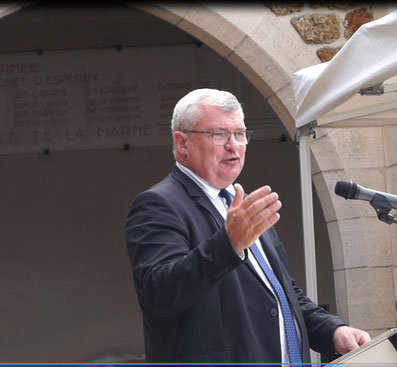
(222, 137)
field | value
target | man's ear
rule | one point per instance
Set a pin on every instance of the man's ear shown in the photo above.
(180, 142)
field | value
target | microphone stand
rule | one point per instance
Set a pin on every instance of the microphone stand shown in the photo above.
(382, 207)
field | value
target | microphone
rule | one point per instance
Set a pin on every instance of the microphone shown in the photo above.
(350, 190)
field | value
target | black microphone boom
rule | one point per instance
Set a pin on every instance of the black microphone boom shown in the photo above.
(350, 190)
(381, 201)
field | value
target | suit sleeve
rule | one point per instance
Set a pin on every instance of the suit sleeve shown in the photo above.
(170, 273)
(320, 324)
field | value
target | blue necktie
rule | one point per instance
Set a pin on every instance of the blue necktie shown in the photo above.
(226, 195)
(291, 333)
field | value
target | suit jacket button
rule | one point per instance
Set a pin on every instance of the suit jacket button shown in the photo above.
(273, 312)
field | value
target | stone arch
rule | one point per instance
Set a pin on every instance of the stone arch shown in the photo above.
(250, 44)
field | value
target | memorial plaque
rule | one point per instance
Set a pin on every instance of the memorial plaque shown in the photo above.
(106, 98)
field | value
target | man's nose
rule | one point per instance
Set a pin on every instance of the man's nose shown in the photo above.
(232, 143)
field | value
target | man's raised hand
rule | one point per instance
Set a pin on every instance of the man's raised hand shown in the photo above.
(251, 216)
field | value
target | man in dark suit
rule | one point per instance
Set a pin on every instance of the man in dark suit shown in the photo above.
(210, 272)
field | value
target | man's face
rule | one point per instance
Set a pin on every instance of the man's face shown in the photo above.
(219, 165)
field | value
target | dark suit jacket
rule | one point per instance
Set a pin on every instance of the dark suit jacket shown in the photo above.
(200, 302)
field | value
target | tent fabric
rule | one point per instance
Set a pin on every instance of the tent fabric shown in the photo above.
(368, 58)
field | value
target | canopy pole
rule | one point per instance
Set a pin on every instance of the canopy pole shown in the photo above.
(307, 212)
(307, 218)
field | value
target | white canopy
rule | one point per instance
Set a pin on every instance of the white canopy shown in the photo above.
(328, 92)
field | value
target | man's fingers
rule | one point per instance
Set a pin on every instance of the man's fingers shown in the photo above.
(259, 211)
(261, 204)
(347, 338)
(363, 338)
(255, 196)
(264, 225)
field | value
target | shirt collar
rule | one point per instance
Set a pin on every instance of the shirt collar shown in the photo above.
(210, 190)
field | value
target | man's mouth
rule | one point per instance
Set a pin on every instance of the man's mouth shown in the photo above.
(232, 159)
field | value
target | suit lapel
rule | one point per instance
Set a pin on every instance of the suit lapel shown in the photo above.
(197, 194)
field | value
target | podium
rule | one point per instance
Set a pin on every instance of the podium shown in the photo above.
(380, 351)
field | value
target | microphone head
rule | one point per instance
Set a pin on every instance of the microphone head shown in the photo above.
(346, 189)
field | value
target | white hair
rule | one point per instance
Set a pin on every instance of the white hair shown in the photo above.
(187, 111)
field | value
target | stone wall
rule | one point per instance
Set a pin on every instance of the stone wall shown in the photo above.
(327, 28)
(362, 246)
